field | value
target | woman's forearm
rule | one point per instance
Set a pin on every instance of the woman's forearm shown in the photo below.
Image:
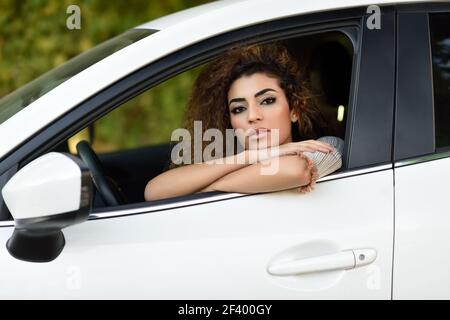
(191, 178)
(293, 171)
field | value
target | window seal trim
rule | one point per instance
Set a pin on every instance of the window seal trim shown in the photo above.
(422, 159)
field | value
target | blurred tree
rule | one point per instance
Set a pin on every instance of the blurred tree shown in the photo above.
(34, 39)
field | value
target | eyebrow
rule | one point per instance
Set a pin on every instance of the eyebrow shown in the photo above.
(256, 95)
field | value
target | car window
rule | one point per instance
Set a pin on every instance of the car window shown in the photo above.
(440, 50)
(327, 59)
(146, 120)
(19, 99)
(150, 118)
(134, 143)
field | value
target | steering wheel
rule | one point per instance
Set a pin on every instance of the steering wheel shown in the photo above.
(108, 189)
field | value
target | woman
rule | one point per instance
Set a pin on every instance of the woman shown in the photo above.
(255, 90)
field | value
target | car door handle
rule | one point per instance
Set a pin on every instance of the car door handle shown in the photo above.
(344, 260)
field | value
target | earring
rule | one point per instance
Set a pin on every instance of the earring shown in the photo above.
(294, 117)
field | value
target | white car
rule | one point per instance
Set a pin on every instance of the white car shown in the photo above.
(379, 228)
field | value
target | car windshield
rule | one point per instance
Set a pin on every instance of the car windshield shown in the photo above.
(19, 99)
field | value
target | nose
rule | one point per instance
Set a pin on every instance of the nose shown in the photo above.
(254, 113)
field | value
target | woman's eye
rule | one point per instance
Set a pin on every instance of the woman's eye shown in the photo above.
(268, 101)
(237, 110)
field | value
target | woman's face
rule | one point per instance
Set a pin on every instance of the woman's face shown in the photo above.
(258, 102)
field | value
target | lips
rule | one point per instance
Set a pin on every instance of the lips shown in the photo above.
(257, 132)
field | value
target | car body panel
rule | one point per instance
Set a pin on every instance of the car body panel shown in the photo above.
(221, 250)
(422, 231)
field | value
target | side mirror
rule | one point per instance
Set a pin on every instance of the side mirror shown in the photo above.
(50, 193)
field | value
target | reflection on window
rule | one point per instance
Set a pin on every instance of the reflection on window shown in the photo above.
(440, 47)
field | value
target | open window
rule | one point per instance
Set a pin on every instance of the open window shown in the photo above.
(133, 141)
(327, 58)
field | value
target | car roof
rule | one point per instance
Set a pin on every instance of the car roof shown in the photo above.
(241, 9)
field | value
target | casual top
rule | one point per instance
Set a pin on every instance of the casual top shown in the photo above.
(327, 163)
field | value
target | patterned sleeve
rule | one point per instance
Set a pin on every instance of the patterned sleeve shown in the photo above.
(326, 163)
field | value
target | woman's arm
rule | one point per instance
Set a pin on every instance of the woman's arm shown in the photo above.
(293, 171)
(197, 177)
(191, 178)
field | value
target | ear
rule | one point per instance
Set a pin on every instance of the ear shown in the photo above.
(294, 116)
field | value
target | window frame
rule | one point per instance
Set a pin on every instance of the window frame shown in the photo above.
(167, 67)
(446, 147)
(414, 121)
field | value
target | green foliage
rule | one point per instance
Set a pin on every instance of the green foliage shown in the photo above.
(34, 39)
(147, 119)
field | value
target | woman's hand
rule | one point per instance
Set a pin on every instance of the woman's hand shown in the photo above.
(291, 148)
(308, 146)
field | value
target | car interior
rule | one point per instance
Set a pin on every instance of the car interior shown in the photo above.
(327, 59)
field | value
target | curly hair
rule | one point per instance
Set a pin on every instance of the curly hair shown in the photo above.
(208, 99)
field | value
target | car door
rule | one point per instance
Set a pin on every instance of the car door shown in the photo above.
(333, 243)
(422, 225)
